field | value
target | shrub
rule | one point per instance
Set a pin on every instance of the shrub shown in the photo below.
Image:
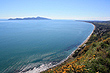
(94, 45)
(103, 45)
(108, 54)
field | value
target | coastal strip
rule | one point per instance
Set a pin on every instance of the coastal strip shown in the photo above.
(85, 41)
(70, 56)
(50, 66)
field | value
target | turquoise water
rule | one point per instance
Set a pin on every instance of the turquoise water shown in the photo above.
(28, 44)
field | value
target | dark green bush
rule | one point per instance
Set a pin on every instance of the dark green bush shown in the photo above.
(108, 54)
(94, 45)
(103, 45)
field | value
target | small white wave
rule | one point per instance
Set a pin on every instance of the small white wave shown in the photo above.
(43, 67)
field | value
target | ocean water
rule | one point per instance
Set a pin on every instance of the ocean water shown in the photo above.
(26, 44)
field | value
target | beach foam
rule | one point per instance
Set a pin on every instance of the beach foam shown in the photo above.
(43, 67)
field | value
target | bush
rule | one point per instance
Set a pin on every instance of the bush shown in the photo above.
(101, 65)
(94, 45)
(101, 60)
(108, 54)
(103, 45)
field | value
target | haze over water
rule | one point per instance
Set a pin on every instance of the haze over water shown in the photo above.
(30, 43)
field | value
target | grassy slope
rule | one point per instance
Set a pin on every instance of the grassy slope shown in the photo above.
(94, 57)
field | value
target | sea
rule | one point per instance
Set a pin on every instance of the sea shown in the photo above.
(38, 44)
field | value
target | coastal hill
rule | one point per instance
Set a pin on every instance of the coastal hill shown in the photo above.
(33, 18)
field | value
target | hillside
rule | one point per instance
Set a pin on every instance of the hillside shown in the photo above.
(94, 57)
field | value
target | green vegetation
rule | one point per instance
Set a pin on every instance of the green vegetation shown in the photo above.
(94, 57)
(102, 30)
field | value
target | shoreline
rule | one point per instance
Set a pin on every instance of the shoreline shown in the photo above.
(85, 41)
(69, 57)
(38, 70)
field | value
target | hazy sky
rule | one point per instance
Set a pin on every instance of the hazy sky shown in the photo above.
(56, 9)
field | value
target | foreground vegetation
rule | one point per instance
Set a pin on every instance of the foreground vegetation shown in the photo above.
(94, 57)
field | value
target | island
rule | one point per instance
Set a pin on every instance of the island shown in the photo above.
(30, 18)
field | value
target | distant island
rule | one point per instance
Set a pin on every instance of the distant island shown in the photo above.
(33, 18)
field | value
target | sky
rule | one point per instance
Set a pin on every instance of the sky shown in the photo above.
(56, 9)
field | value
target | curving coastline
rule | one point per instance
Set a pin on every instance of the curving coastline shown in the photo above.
(85, 41)
(70, 56)
(48, 66)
